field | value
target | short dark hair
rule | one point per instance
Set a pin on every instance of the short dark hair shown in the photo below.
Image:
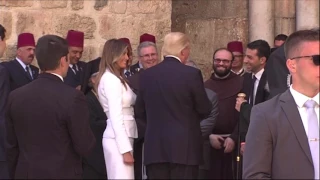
(2, 32)
(294, 41)
(281, 37)
(220, 49)
(262, 47)
(49, 50)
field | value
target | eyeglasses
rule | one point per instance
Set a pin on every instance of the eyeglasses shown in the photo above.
(315, 58)
(224, 61)
(149, 55)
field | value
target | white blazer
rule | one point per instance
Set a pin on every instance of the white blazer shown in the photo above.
(117, 102)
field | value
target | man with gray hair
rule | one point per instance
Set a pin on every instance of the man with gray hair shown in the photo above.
(148, 56)
(172, 102)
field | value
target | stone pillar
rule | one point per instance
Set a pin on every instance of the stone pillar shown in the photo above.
(285, 14)
(261, 20)
(307, 14)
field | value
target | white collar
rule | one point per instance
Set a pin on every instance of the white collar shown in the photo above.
(301, 99)
(239, 72)
(22, 63)
(173, 57)
(259, 74)
(57, 75)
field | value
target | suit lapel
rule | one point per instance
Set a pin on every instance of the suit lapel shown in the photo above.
(290, 109)
(21, 70)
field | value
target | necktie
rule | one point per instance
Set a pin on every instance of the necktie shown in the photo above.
(74, 67)
(127, 73)
(28, 72)
(313, 135)
(252, 90)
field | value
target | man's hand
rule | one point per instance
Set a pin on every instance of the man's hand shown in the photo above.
(229, 145)
(239, 101)
(242, 147)
(215, 141)
(78, 87)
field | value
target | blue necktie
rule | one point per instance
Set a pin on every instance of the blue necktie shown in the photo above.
(313, 135)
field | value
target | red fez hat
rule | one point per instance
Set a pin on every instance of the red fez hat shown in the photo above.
(235, 46)
(75, 38)
(25, 39)
(126, 40)
(147, 37)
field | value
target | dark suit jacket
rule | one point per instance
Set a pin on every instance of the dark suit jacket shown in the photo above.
(135, 68)
(278, 72)
(75, 80)
(277, 145)
(4, 92)
(207, 126)
(173, 99)
(245, 109)
(48, 130)
(98, 119)
(90, 68)
(17, 75)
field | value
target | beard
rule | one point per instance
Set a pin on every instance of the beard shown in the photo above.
(222, 73)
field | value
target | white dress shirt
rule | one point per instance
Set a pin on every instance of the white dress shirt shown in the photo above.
(117, 102)
(173, 57)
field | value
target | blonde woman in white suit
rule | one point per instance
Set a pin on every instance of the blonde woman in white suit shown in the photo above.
(117, 100)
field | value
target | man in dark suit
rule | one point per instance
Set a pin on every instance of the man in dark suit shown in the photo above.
(20, 70)
(75, 76)
(173, 101)
(283, 137)
(47, 122)
(254, 84)
(4, 92)
(90, 68)
(145, 61)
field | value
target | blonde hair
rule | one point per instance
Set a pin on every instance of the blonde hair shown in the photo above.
(174, 43)
(112, 51)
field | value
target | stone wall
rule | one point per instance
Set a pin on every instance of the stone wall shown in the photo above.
(100, 20)
(211, 24)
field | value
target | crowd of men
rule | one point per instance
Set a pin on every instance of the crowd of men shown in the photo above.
(233, 128)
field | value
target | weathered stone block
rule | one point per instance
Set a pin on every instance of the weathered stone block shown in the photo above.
(75, 22)
(18, 3)
(10, 52)
(6, 22)
(2, 2)
(284, 8)
(77, 4)
(54, 4)
(208, 35)
(118, 7)
(284, 26)
(35, 22)
(100, 4)
(89, 53)
(142, 6)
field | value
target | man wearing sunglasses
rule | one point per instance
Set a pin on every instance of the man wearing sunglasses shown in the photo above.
(283, 136)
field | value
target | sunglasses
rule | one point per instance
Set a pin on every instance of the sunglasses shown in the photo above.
(315, 59)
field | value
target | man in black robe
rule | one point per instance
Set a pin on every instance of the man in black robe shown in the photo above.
(225, 133)
(94, 164)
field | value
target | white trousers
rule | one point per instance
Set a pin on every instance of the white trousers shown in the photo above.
(116, 168)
